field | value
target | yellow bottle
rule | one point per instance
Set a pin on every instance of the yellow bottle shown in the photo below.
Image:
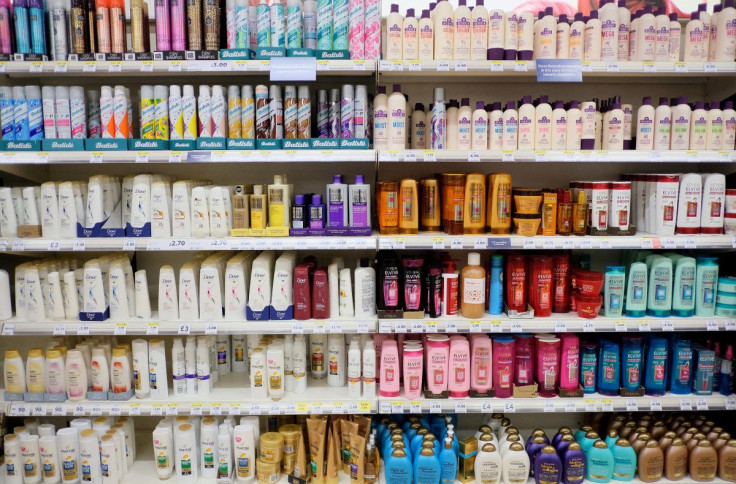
(409, 215)
(499, 203)
(258, 209)
(474, 221)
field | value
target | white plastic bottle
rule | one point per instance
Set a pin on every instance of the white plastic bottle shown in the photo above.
(646, 36)
(729, 126)
(479, 139)
(698, 127)
(140, 368)
(100, 371)
(543, 125)
(204, 381)
(645, 131)
(592, 41)
(662, 42)
(675, 31)
(163, 443)
(275, 371)
(453, 110)
(527, 117)
(681, 114)
(464, 125)
(510, 127)
(525, 31)
(706, 19)
(426, 37)
(354, 370)
(76, 376)
(614, 127)
(410, 36)
(380, 119)
(178, 367)
(461, 34)
(559, 127)
(479, 32)
(185, 452)
(545, 36)
(299, 364)
(159, 383)
(444, 30)
(563, 37)
(496, 33)
(662, 125)
(608, 13)
(208, 458)
(577, 38)
(258, 377)
(396, 119)
(365, 289)
(624, 30)
(394, 34)
(418, 128)
(574, 126)
(369, 369)
(711, 54)
(511, 36)
(714, 127)
(725, 49)
(694, 34)
(244, 449)
(336, 360)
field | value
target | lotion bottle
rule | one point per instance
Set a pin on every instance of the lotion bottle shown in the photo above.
(479, 34)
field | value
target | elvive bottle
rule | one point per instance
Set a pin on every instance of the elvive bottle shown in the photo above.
(659, 300)
(706, 282)
(388, 281)
(683, 291)
(570, 362)
(682, 364)
(636, 290)
(609, 365)
(631, 359)
(656, 367)
(600, 463)
(588, 367)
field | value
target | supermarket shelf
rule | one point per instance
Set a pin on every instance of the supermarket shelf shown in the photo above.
(504, 69)
(438, 241)
(624, 156)
(229, 396)
(191, 244)
(199, 156)
(589, 403)
(174, 68)
(557, 323)
(153, 326)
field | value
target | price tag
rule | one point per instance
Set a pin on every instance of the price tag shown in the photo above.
(485, 406)
(669, 243)
(129, 245)
(438, 243)
(686, 404)
(59, 329)
(509, 407)
(141, 157)
(175, 157)
(655, 404)
(35, 67)
(234, 409)
(480, 243)
(668, 325)
(548, 244)
(711, 325)
(607, 405)
(588, 326)
(540, 156)
(135, 409)
(631, 405)
(461, 407)
(644, 327)
(527, 244)
(172, 409)
(730, 324)
(385, 326)
(196, 409)
(417, 326)
(434, 407)
(430, 326)
(461, 66)
(83, 330)
(586, 66)
(586, 244)
(22, 410)
(560, 327)
(210, 328)
(38, 410)
(79, 246)
(320, 328)
(95, 411)
(399, 243)
(690, 243)
(620, 326)
(456, 244)
(473, 156)
(415, 407)
(430, 156)
(589, 405)
(78, 410)
(255, 408)
(90, 66)
(568, 244)
(507, 155)
(496, 327)
(701, 404)
(146, 66)
(415, 65)
(496, 66)
(649, 67)
(397, 407)
(451, 327)
(8, 329)
(18, 245)
(184, 328)
(710, 67)
(96, 157)
(612, 67)
(338, 408)
(157, 409)
(54, 245)
(731, 403)
(520, 66)
(475, 327)
(61, 66)
(410, 156)
(175, 66)
(646, 243)
(297, 327)
(604, 244)
(274, 409)
(302, 407)
(549, 406)
(570, 406)
(680, 67)
(516, 326)
(443, 66)
(121, 329)
(58, 410)
(115, 66)
(152, 329)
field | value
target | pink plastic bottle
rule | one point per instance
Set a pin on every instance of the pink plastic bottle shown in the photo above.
(390, 370)
(459, 381)
(503, 366)
(524, 360)
(438, 356)
(548, 366)
(570, 353)
(480, 364)
(413, 369)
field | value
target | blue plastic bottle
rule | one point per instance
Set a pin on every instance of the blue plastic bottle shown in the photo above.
(426, 467)
(608, 368)
(416, 441)
(682, 367)
(398, 468)
(600, 463)
(588, 366)
(624, 461)
(726, 374)
(588, 441)
(448, 463)
(611, 438)
(656, 367)
(495, 300)
(631, 357)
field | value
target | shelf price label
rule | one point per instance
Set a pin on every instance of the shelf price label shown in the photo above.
(620, 326)
(8, 329)
(517, 326)
(38, 410)
(185, 329)
(480, 243)
(589, 405)
(83, 330)
(58, 410)
(607, 405)
(121, 329)
(509, 407)
(364, 407)
(234, 409)
(400, 327)
(730, 325)
(78, 410)
(397, 407)
(570, 406)
(415, 406)
(152, 329)
(631, 405)
(95, 411)
(549, 407)
(430, 326)
(485, 406)
(461, 66)
(216, 408)
(274, 409)
(438, 243)
(588, 326)
(255, 408)
(196, 409)
(731, 403)
(701, 404)
(507, 155)
(711, 325)
(668, 325)
(79, 246)
(135, 409)
(320, 327)
(172, 409)
(302, 407)
(59, 329)
(461, 407)
(655, 405)
(686, 404)
(560, 327)
(417, 326)
(475, 326)
(473, 156)
(434, 407)
(18, 245)
(22, 410)
(211, 328)
(644, 326)
(451, 327)
(496, 327)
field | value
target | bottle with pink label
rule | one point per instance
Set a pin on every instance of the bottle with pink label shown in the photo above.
(438, 356)
(503, 366)
(413, 369)
(548, 366)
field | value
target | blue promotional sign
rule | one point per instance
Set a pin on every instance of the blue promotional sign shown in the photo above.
(559, 70)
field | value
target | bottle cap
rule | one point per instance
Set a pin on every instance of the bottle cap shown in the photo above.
(418, 107)
(359, 179)
(317, 199)
(410, 13)
(473, 259)
(599, 444)
(594, 14)
(381, 90)
(337, 179)
(397, 88)
(425, 13)
(394, 8)
(562, 19)
(465, 101)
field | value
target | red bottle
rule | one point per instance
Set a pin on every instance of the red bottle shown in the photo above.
(516, 283)
(320, 295)
(561, 295)
(540, 285)
(302, 293)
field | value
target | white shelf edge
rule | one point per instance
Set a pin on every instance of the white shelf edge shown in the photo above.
(442, 241)
(563, 156)
(556, 323)
(392, 68)
(176, 68)
(157, 244)
(185, 156)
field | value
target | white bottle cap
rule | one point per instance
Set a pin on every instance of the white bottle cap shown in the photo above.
(188, 90)
(334, 95)
(439, 94)
(160, 92)
(146, 92)
(119, 90)
(48, 92)
(76, 92)
(233, 92)
(33, 92)
(257, 189)
(473, 259)
(62, 92)
(347, 91)
(322, 96)
(204, 91)
(217, 91)
(174, 91)
(246, 92)
(303, 92)
(361, 91)
(19, 92)
(274, 92)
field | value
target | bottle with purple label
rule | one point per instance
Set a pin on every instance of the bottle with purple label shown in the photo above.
(316, 213)
(360, 203)
(337, 199)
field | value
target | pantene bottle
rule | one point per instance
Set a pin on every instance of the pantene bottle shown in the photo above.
(473, 278)
(727, 461)
(76, 376)
(410, 39)
(703, 462)
(694, 35)
(650, 462)
(444, 31)
(479, 32)
(676, 461)
(426, 37)
(592, 40)
(394, 34)
(35, 371)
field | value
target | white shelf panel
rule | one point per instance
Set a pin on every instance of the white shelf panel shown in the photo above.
(228, 397)
(154, 326)
(439, 241)
(591, 156)
(191, 244)
(557, 323)
(588, 403)
(197, 156)
(621, 70)
(175, 68)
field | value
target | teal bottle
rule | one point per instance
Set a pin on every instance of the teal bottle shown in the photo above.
(611, 438)
(448, 463)
(398, 468)
(580, 434)
(416, 442)
(587, 442)
(426, 467)
(600, 462)
(624, 461)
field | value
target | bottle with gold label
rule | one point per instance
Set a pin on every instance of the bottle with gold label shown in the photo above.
(703, 462)
(727, 461)
(388, 207)
(430, 210)
(474, 212)
(408, 207)
(651, 462)
(498, 218)
(259, 391)
(676, 460)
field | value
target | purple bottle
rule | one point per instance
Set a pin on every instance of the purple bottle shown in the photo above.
(563, 444)
(558, 436)
(573, 464)
(536, 433)
(547, 466)
(533, 450)
(317, 213)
